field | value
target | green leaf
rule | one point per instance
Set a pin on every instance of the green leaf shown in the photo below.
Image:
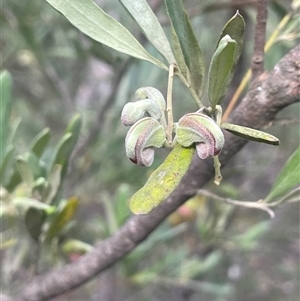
(40, 142)
(162, 181)
(76, 246)
(88, 17)
(220, 69)
(188, 42)
(179, 56)
(25, 170)
(34, 219)
(38, 170)
(5, 100)
(29, 202)
(54, 183)
(40, 187)
(64, 214)
(250, 134)
(14, 180)
(288, 177)
(62, 151)
(5, 162)
(235, 28)
(74, 127)
(145, 17)
(66, 144)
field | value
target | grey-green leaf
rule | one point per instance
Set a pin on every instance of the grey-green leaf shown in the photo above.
(25, 170)
(145, 17)
(179, 55)
(220, 69)
(235, 28)
(5, 100)
(88, 17)
(40, 142)
(288, 177)
(188, 42)
(250, 134)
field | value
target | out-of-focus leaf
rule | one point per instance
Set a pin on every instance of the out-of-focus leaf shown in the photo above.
(250, 134)
(144, 16)
(162, 181)
(40, 142)
(38, 170)
(14, 180)
(220, 69)
(88, 17)
(34, 219)
(5, 100)
(29, 202)
(188, 42)
(64, 214)
(235, 28)
(288, 177)
(74, 127)
(5, 158)
(6, 244)
(67, 143)
(121, 209)
(41, 187)
(249, 239)
(25, 170)
(13, 130)
(54, 183)
(62, 151)
(76, 246)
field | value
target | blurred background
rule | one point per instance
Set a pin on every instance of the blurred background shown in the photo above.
(207, 250)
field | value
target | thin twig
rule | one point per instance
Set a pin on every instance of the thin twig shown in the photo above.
(257, 65)
(254, 205)
(169, 105)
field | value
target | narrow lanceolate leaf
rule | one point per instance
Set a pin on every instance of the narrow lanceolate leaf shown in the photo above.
(188, 42)
(288, 177)
(235, 28)
(34, 219)
(88, 17)
(179, 56)
(145, 17)
(5, 101)
(220, 70)
(163, 180)
(25, 170)
(64, 214)
(40, 141)
(62, 152)
(250, 134)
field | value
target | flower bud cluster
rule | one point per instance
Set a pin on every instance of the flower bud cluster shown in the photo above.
(146, 116)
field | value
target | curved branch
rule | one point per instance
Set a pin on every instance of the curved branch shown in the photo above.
(269, 94)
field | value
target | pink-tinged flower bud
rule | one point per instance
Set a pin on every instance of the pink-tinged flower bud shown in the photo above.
(134, 111)
(151, 93)
(141, 139)
(202, 130)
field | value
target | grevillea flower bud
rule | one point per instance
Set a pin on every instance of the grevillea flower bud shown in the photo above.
(141, 139)
(202, 130)
(134, 111)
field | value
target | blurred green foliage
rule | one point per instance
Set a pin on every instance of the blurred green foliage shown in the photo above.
(55, 205)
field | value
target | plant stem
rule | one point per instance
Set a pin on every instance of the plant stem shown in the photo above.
(217, 166)
(169, 105)
(192, 91)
